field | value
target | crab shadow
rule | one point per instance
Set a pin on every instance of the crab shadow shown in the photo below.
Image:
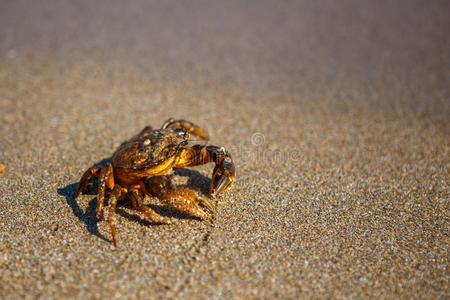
(87, 217)
(196, 180)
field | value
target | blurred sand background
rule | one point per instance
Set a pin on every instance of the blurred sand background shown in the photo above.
(337, 114)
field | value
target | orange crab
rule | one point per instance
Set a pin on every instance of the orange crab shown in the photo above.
(141, 166)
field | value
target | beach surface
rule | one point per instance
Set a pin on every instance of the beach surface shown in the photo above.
(337, 114)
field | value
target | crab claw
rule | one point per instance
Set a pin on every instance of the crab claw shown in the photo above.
(223, 176)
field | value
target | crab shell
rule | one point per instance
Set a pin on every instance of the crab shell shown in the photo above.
(152, 153)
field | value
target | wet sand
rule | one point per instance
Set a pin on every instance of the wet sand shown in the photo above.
(337, 116)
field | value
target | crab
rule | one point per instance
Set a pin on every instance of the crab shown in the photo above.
(143, 165)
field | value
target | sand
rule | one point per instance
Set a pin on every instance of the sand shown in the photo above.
(336, 113)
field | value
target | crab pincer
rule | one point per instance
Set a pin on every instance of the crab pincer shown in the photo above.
(223, 175)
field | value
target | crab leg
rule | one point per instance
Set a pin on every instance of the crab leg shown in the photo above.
(188, 201)
(180, 198)
(115, 195)
(190, 128)
(93, 171)
(150, 214)
(105, 179)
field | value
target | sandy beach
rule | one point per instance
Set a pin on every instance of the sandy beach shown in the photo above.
(337, 115)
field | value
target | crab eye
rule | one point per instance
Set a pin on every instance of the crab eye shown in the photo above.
(182, 133)
(227, 161)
